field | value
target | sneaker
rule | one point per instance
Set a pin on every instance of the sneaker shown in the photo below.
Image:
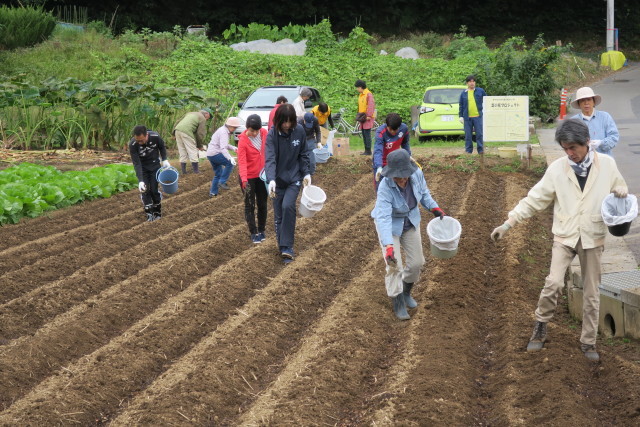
(255, 238)
(213, 195)
(262, 236)
(366, 153)
(150, 217)
(538, 337)
(590, 352)
(287, 253)
(224, 186)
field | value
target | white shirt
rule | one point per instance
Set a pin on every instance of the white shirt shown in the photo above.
(298, 105)
(220, 143)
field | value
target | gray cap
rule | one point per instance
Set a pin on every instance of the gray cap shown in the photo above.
(399, 165)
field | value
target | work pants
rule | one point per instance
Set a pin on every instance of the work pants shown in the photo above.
(410, 242)
(187, 147)
(255, 193)
(561, 257)
(284, 213)
(473, 124)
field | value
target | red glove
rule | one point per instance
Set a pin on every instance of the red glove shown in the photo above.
(243, 184)
(389, 257)
(438, 213)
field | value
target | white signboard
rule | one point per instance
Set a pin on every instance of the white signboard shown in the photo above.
(505, 118)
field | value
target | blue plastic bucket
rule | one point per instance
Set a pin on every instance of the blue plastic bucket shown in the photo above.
(168, 178)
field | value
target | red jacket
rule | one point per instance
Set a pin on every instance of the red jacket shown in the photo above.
(250, 160)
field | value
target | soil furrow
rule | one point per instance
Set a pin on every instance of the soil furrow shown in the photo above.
(122, 260)
(273, 323)
(106, 312)
(58, 224)
(80, 254)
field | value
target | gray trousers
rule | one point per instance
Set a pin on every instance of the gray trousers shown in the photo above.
(410, 242)
(561, 257)
(284, 213)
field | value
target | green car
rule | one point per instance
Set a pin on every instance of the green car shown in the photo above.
(439, 112)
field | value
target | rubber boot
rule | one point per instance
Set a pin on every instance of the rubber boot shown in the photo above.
(148, 210)
(183, 166)
(400, 307)
(195, 165)
(538, 337)
(406, 291)
(157, 211)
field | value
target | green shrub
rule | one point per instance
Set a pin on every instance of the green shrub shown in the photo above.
(462, 44)
(518, 70)
(359, 43)
(100, 27)
(24, 26)
(320, 39)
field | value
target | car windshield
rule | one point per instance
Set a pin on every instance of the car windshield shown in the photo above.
(266, 98)
(442, 96)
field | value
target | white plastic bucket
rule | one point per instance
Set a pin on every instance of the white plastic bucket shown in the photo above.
(312, 200)
(322, 155)
(444, 235)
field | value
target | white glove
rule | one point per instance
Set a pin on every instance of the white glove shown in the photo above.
(595, 143)
(233, 161)
(166, 164)
(378, 174)
(320, 145)
(461, 119)
(620, 191)
(306, 180)
(142, 187)
(499, 232)
(272, 189)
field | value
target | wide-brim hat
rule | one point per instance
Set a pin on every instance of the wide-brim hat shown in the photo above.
(399, 165)
(585, 92)
(233, 122)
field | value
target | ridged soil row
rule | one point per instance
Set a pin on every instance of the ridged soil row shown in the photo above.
(322, 380)
(432, 380)
(123, 207)
(99, 245)
(126, 255)
(587, 393)
(180, 328)
(227, 371)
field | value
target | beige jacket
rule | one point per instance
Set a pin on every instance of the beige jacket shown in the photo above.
(576, 213)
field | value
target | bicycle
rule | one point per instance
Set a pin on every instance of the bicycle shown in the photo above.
(344, 127)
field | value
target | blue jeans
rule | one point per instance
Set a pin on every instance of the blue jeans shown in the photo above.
(222, 169)
(311, 145)
(471, 124)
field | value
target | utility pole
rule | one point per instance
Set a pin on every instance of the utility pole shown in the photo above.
(610, 26)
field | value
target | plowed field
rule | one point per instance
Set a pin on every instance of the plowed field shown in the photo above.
(106, 319)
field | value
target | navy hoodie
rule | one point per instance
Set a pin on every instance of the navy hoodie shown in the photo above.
(287, 156)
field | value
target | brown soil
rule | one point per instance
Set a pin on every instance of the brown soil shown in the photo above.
(106, 319)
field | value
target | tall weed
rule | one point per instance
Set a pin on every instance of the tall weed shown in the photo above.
(24, 26)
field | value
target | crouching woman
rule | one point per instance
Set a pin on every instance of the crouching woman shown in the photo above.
(397, 219)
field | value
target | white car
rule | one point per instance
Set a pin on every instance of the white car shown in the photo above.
(263, 99)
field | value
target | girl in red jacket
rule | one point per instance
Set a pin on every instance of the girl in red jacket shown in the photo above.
(251, 150)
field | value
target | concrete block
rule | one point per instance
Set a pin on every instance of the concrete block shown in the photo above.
(611, 321)
(631, 321)
(631, 296)
(575, 302)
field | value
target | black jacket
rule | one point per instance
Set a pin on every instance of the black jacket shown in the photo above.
(147, 156)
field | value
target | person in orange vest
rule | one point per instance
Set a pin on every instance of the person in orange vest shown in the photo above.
(323, 113)
(366, 109)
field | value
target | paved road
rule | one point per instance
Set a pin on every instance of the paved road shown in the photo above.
(621, 98)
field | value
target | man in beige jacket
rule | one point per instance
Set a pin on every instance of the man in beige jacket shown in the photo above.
(576, 184)
(190, 132)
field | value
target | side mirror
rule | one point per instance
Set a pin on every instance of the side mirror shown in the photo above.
(240, 104)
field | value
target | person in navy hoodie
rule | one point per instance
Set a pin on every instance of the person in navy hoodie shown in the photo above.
(389, 137)
(287, 167)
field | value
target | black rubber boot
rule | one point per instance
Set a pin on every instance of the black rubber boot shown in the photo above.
(183, 166)
(539, 336)
(148, 210)
(400, 307)
(195, 165)
(406, 291)
(157, 211)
